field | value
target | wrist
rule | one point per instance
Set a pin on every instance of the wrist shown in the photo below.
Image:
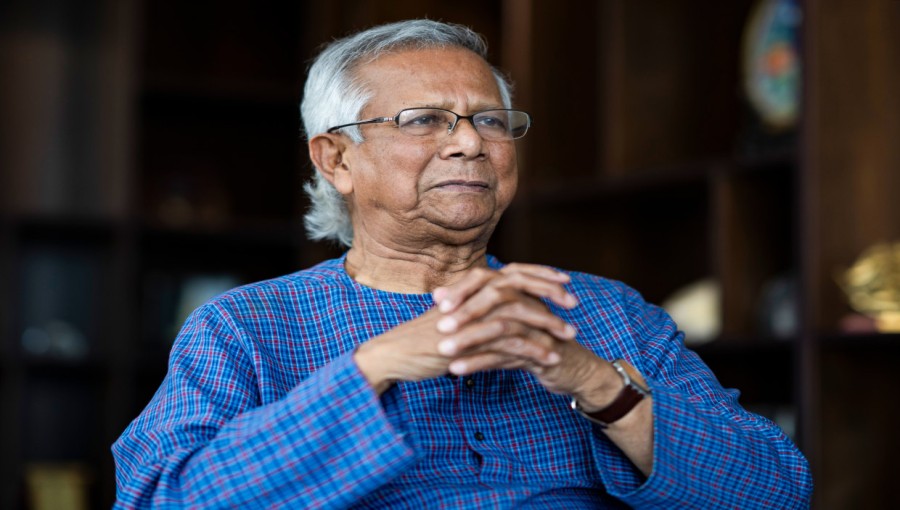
(601, 387)
(632, 393)
(372, 367)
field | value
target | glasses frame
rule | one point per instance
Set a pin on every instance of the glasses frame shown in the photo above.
(471, 118)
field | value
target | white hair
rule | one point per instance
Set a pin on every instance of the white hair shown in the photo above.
(333, 96)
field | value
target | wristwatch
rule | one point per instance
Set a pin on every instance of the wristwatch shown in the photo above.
(632, 393)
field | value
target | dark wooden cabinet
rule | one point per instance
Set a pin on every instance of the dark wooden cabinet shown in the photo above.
(200, 102)
(169, 156)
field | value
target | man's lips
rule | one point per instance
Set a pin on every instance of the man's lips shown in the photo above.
(463, 185)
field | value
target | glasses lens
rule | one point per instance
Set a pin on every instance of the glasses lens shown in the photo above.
(490, 124)
(502, 124)
(424, 121)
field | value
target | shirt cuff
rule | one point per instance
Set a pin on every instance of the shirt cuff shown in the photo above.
(676, 438)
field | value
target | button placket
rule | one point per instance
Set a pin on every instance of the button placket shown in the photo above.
(474, 428)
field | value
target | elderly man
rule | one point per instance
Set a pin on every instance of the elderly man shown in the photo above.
(417, 371)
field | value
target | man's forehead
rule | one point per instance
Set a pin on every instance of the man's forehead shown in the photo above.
(428, 60)
(429, 75)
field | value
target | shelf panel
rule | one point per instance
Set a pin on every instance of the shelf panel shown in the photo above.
(65, 228)
(740, 344)
(782, 160)
(251, 251)
(224, 41)
(202, 161)
(598, 189)
(879, 343)
(96, 369)
(658, 179)
(60, 416)
(655, 239)
(670, 73)
(179, 87)
(754, 217)
(858, 419)
(262, 232)
(738, 363)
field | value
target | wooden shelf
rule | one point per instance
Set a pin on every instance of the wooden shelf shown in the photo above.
(884, 343)
(598, 189)
(66, 228)
(783, 160)
(255, 232)
(739, 344)
(94, 369)
(161, 86)
(196, 122)
(738, 361)
(661, 179)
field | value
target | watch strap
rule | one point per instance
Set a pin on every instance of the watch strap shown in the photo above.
(630, 395)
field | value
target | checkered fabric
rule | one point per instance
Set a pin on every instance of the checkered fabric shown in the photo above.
(263, 407)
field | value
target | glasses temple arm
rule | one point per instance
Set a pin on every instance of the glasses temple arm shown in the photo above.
(367, 121)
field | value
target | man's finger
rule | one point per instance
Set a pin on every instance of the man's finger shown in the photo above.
(448, 298)
(484, 361)
(539, 271)
(538, 281)
(537, 287)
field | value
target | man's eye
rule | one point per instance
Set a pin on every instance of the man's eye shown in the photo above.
(493, 122)
(423, 120)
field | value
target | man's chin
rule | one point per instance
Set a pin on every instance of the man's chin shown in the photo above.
(461, 232)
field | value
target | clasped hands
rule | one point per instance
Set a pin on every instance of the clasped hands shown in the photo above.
(492, 320)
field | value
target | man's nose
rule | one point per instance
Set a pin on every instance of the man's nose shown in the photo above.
(464, 139)
(459, 120)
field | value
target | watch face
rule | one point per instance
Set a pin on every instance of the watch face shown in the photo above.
(771, 62)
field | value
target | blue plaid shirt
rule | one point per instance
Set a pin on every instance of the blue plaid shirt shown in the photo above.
(264, 407)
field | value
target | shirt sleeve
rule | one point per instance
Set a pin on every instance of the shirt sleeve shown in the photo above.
(708, 451)
(206, 441)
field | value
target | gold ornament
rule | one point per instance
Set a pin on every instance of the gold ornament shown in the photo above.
(872, 285)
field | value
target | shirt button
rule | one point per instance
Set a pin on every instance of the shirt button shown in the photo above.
(470, 382)
(479, 436)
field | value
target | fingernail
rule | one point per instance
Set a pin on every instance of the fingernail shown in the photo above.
(445, 306)
(553, 357)
(570, 331)
(458, 367)
(447, 347)
(447, 325)
(438, 293)
(571, 300)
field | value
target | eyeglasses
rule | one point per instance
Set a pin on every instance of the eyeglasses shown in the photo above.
(499, 124)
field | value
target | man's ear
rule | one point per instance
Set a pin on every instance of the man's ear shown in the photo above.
(327, 154)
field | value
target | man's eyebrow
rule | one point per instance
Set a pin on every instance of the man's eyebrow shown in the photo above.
(478, 107)
(491, 106)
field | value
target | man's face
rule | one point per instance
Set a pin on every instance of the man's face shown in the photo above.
(409, 190)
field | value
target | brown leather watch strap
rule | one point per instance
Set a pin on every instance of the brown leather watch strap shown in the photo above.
(630, 396)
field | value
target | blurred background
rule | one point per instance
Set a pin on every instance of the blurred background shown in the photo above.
(735, 161)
